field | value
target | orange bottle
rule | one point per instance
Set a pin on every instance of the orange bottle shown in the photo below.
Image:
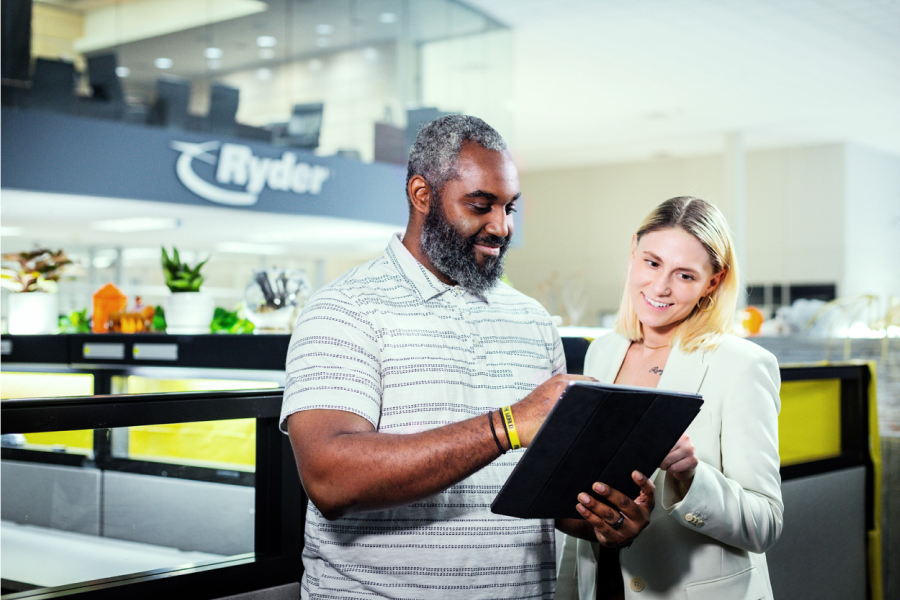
(107, 300)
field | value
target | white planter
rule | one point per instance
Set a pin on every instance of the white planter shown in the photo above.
(189, 312)
(33, 313)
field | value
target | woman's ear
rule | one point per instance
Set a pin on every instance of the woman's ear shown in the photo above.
(715, 281)
(420, 195)
(634, 242)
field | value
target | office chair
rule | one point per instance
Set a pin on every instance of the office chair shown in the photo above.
(223, 106)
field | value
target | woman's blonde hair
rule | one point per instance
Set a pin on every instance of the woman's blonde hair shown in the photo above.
(702, 329)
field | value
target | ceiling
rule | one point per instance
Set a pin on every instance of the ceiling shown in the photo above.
(595, 81)
(604, 81)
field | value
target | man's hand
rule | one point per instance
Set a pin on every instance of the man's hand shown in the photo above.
(529, 413)
(614, 527)
(681, 462)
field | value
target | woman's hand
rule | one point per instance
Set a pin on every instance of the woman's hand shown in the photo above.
(681, 462)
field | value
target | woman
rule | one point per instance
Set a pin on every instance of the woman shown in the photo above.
(718, 491)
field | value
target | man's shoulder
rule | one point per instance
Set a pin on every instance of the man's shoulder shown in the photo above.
(505, 296)
(370, 276)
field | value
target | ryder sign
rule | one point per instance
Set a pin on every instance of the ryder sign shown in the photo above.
(237, 167)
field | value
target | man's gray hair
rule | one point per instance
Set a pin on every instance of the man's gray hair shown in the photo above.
(435, 153)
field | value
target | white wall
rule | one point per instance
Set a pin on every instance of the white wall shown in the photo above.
(579, 222)
(871, 215)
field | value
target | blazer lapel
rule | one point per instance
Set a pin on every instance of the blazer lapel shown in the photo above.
(614, 355)
(683, 372)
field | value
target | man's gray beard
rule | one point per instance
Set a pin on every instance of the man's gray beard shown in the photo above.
(454, 255)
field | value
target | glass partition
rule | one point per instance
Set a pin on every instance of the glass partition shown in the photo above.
(184, 495)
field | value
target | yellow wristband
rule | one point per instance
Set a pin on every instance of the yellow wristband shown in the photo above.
(511, 427)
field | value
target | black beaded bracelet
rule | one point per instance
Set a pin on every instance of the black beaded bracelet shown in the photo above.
(494, 432)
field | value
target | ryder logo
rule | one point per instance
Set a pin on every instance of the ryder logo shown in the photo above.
(237, 166)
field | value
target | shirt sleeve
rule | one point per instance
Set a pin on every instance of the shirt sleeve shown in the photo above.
(333, 361)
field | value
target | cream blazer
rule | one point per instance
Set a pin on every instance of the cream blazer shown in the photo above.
(707, 544)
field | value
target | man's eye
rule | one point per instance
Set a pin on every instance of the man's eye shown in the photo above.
(480, 208)
(510, 209)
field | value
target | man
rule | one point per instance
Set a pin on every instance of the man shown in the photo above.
(395, 375)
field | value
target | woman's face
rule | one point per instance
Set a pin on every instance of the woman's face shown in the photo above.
(670, 272)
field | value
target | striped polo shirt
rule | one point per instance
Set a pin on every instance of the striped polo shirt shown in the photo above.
(390, 342)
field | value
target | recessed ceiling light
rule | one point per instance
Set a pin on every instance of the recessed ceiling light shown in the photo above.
(315, 65)
(266, 53)
(213, 53)
(163, 63)
(266, 41)
(323, 42)
(264, 74)
(214, 64)
(370, 53)
(387, 17)
(133, 224)
(10, 231)
(123, 71)
(324, 29)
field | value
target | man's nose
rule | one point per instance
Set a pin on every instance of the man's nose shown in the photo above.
(499, 223)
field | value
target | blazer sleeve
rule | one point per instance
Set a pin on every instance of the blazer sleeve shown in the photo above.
(740, 505)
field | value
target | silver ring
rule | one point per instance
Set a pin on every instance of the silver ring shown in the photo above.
(618, 523)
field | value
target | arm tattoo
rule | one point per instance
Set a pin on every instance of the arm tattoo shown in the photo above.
(656, 371)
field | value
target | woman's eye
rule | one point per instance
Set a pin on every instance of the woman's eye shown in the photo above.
(652, 263)
(687, 277)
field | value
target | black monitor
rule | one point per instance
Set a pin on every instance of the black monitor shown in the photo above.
(223, 106)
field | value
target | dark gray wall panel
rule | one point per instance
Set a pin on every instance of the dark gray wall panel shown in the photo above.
(183, 514)
(822, 552)
(66, 498)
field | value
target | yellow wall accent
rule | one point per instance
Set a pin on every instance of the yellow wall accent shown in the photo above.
(809, 426)
(50, 385)
(224, 444)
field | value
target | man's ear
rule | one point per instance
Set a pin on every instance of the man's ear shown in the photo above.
(420, 194)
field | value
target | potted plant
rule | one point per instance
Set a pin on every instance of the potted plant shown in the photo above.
(187, 309)
(33, 306)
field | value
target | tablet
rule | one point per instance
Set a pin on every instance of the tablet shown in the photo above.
(596, 432)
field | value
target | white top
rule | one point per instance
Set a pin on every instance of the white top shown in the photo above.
(392, 343)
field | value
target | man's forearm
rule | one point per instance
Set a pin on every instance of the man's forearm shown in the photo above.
(346, 466)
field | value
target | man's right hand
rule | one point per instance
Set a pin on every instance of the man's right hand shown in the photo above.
(530, 412)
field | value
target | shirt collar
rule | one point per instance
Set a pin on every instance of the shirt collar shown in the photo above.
(421, 280)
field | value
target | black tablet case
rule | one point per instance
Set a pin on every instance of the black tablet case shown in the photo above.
(596, 432)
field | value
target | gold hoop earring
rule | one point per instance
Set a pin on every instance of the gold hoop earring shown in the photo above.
(709, 305)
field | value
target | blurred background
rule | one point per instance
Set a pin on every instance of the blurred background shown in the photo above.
(274, 134)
